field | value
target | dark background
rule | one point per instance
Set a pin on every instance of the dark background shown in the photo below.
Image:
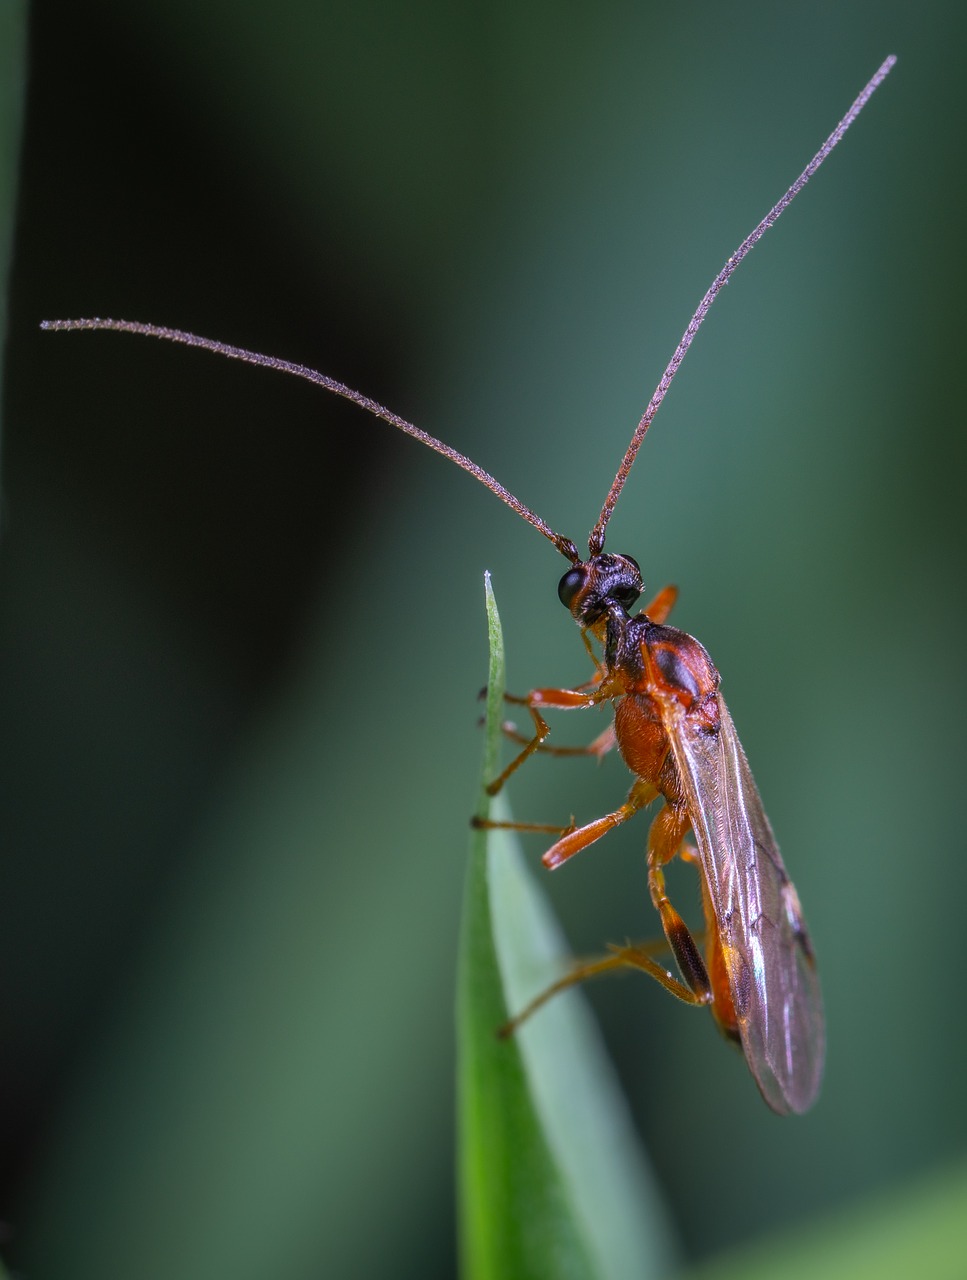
(242, 627)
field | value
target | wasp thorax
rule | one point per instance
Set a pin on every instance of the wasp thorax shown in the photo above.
(592, 586)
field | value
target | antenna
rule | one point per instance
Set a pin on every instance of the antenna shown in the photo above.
(564, 545)
(596, 540)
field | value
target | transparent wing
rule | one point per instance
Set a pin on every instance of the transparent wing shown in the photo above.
(768, 956)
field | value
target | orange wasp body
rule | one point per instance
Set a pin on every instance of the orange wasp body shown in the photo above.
(674, 731)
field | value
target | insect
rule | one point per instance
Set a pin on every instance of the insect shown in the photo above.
(757, 972)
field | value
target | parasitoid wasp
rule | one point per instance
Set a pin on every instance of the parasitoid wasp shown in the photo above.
(673, 730)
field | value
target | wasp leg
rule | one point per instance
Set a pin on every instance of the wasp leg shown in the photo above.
(573, 841)
(548, 828)
(599, 746)
(722, 1005)
(561, 699)
(665, 839)
(627, 957)
(662, 605)
(588, 694)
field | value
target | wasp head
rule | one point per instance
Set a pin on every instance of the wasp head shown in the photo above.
(591, 587)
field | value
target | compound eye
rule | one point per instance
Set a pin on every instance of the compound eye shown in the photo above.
(571, 586)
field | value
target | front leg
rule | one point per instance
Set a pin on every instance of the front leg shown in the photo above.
(560, 699)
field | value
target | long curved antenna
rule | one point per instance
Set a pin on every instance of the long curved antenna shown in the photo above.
(564, 545)
(596, 540)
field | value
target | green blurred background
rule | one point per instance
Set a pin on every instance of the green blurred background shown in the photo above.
(242, 629)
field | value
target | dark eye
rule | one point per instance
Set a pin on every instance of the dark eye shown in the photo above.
(570, 586)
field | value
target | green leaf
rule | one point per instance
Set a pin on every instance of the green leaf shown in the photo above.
(917, 1230)
(553, 1183)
